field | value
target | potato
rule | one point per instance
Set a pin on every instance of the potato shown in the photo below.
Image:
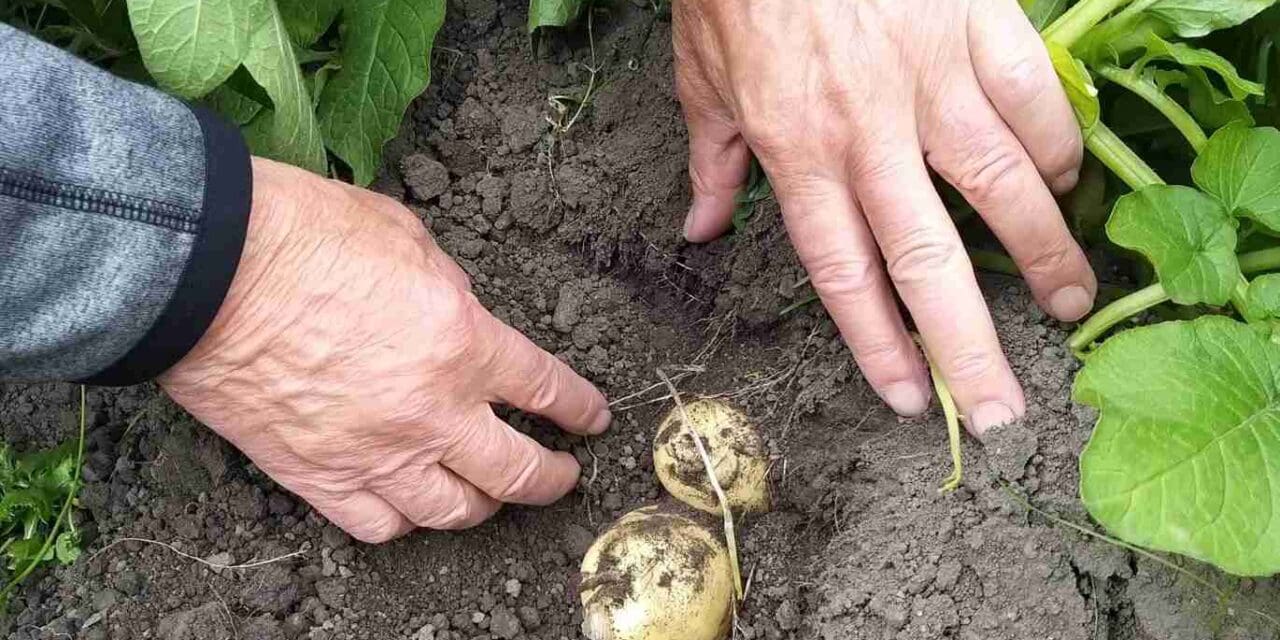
(736, 451)
(656, 575)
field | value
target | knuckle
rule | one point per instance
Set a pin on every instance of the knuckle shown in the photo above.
(377, 530)
(519, 479)
(1063, 155)
(845, 277)
(920, 258)
(767, 133)
(988, 167)
(970, 365)
(1023, 80)
(459, 323)
(545, 391)
(460, 516)
(881, 358)
(1056, 258)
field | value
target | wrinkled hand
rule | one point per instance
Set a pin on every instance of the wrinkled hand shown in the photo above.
(351, 362)
(848, 104)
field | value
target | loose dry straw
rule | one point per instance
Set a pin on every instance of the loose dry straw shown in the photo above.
(730, 539)
(211, 565)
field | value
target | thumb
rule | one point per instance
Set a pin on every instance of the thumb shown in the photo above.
(719, 159)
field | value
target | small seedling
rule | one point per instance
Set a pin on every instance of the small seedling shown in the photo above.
(757, 190)
(37, 493)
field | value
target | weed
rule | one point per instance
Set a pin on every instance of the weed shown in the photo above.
(37, 492)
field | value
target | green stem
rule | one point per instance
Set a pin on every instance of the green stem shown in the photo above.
(1103, 143)
(63, 514)
(1147, 90)
(1259, 261)
(1115, 313)
(1137, 302)
(994, 262)
(1077, 21)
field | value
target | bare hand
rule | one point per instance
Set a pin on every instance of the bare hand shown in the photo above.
(848, 104)
(351, 362)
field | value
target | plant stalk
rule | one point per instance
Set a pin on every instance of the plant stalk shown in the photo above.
(1115, 313)
(1148, 91)
(1078, 20)
(1104, 144)
(1139, 301)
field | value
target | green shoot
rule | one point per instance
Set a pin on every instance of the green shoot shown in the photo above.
(31, 486)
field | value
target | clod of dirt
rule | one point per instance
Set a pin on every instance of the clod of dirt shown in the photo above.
(568, 307)
(425, 177)
(657, 575)
(1009, 448)
(736, 451)
(206, 622)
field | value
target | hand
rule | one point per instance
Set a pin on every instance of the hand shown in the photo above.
(848, 104)
(352, 364)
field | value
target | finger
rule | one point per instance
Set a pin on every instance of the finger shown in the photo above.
(928, 265)
(364, 515)
(510, 466)
(970, 146)
(719, 159)
(838, 251)
(439, 499)
(524, 376)
(1015, 72)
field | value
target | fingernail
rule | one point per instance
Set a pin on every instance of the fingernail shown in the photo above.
(1070, 303)
(1064, 183)
(689, 222)
(906, 398)
(989, 415)
(602, 423)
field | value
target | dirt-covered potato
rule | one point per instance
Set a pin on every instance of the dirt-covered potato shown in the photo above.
(656, 575)
(736, 452)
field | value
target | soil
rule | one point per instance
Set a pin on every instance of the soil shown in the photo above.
(569, 225)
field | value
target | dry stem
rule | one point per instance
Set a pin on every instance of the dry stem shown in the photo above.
(730, 538)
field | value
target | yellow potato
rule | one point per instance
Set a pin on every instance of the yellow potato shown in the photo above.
(737, 453)
(656, 575)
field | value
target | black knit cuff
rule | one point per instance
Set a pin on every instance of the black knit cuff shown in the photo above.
(228, 197)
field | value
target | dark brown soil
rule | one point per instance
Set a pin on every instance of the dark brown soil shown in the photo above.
(573, 237)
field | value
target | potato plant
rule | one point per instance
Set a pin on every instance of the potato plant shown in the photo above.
(302, 78)
(1185, 456)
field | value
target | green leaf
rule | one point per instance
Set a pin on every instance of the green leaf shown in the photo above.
(553, 13)
(1212, 107)
(1189, 56)
(1043, 12)
(1195, 18)
(1078, 84)
(288, 132)
(1264, 295)
(25, 551)
(66, 548)
(191, 46)
(307, 20)
(386, 63)
(1186, 235)
(1186, 454)
(233, 105)
(1241, 166)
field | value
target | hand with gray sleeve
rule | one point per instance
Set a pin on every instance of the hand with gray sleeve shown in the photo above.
(315, 325)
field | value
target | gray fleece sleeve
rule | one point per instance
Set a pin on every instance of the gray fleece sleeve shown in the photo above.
(122, 217)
